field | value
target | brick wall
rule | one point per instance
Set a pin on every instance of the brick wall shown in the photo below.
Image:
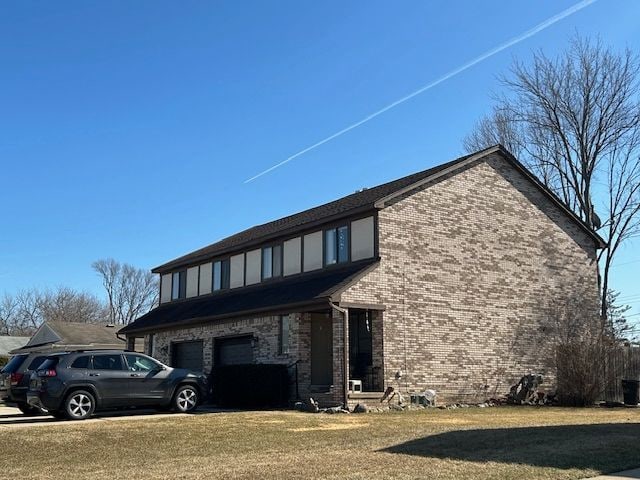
(265, 350)
(469, 266)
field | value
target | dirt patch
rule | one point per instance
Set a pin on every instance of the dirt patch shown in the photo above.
(329, 426)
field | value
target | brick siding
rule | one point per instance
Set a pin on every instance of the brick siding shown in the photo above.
(469, 266)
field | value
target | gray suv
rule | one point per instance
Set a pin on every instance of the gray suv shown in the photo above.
(14, 380)
(75, 384)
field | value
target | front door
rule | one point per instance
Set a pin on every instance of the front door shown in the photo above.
(321, 350)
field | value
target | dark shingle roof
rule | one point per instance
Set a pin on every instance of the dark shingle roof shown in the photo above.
(360, 201)
(309, 289)
(52, 336)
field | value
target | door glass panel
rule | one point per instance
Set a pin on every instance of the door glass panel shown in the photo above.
(138, 363)
(107, 362)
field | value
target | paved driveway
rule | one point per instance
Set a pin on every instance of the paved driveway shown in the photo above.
(13, 418)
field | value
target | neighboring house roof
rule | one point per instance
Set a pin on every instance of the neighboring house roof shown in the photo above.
(361, 201)
(52, 336)
(8, 343)
(313, 289)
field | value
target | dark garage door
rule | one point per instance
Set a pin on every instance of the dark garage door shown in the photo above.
(187, 355)
(234, 351)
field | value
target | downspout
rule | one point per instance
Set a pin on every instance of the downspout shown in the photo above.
(345, 351)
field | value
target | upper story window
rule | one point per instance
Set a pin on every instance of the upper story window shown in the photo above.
(350, 242)
(179, 285)
(336, 245)
(292, 251)
(165, 288)
(312, 251)
(221, 274)
(271, 262)
(362, 238)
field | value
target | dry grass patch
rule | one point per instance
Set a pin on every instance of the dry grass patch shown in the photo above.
(497, 443)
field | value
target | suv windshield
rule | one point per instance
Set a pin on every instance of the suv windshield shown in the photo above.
(14, 364)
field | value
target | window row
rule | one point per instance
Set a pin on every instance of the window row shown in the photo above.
(348, 242)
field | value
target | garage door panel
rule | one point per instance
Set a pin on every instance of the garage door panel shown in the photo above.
(188, 355)
(234, 351)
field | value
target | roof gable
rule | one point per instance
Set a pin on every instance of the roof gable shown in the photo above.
(45, 334)
(504, 153)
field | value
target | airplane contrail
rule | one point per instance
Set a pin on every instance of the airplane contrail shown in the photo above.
(489, 53)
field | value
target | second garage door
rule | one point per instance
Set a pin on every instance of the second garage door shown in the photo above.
(187, 355)
(234, 351)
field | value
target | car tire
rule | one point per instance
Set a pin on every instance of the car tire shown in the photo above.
(28, 409)
(58, 415)
(79, 405)
(186, 399)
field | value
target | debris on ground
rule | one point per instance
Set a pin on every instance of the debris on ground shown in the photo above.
(528, 392)
(360, 408)
(424, 399)
(309, 405)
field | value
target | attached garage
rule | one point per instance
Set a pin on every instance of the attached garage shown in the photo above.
(234, 351)
(187, 355)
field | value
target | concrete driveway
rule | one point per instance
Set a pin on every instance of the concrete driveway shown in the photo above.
(13, 418)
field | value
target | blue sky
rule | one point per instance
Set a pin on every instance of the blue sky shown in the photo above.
(128, 128)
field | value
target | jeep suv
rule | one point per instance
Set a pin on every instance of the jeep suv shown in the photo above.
(14, 380)
(74, 385)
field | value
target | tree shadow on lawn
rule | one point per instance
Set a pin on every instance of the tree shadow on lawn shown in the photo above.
(601, 447)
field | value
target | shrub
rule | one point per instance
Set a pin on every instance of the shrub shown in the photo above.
(580, 343)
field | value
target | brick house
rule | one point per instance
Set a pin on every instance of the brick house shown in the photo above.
(436, 280)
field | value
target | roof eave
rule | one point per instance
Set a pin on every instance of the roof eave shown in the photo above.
(290, 307)
(381, 203)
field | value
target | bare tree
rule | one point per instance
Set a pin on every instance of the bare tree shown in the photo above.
(29, 315)
(575, 121)
(131, 291)
(22, 313)
(8, 313)
(616, 321)
(67, 305)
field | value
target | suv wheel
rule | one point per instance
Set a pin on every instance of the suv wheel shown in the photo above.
(186, 399)
(79, 405)
(58, 415)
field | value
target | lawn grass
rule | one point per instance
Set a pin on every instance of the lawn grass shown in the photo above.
(490, 443)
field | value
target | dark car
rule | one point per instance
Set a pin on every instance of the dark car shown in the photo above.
(14, 380)
(74, 385)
